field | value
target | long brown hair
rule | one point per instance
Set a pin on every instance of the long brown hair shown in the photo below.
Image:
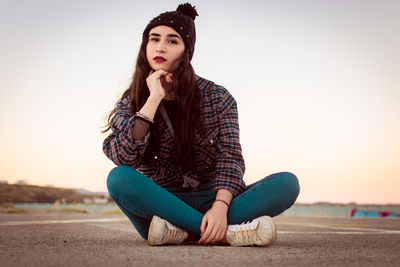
(188, 99)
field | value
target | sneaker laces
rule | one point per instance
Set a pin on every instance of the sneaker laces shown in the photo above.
(172, 232)
(245, 231)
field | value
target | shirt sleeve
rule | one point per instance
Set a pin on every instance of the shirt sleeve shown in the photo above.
(120, 146)
(230, 162)
(141, 128)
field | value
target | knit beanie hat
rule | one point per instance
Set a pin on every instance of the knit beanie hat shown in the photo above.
(182, 21)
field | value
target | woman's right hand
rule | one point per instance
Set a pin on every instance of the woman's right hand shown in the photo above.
(154, 82)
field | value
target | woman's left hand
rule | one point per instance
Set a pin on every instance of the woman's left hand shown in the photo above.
(214, 224)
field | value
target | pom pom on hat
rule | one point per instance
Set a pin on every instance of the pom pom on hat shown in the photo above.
(188, 10)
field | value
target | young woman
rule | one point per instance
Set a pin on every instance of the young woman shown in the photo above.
(175, 140)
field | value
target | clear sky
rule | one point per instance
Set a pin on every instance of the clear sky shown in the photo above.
(317, 85)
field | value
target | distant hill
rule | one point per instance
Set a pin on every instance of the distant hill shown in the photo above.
(31, 193)
(90, 193)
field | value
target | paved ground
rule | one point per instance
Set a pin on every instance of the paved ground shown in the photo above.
(71, 239)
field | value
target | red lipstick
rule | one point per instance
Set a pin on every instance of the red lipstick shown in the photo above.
(159, 59)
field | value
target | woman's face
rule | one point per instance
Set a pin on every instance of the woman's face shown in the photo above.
(164, 47)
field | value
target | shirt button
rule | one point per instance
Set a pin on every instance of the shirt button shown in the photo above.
(155, 157)
(211, 141)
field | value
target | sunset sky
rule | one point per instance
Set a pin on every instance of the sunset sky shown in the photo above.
(317, 85)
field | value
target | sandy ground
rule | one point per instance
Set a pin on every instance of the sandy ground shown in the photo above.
(72, 239)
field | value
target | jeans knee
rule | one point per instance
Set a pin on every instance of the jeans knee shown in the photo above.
(117, 179)
(292, 186)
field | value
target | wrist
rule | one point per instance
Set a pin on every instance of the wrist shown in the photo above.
(220, 207)
(155, 98)
(221, 203)
(144, 117)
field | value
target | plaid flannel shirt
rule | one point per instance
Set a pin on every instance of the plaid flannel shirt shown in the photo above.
(218, 157)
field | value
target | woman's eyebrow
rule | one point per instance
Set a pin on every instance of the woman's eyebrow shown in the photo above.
(174, 35)
(169, 35)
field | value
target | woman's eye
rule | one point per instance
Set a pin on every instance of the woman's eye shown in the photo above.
(173, 42)
(154, 39)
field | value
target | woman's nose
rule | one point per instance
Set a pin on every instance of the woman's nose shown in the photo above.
(160, 47)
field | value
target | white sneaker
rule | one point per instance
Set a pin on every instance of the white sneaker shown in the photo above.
(162, 232)
(260, 232)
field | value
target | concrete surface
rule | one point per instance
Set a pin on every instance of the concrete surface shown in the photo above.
(72, 239)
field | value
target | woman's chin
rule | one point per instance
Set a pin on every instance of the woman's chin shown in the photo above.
(164, 68)
(159, 68)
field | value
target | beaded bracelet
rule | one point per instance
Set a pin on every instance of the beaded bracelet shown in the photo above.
(144, 116)
(226, 203)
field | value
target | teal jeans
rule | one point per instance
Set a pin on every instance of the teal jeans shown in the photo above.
(140, 198)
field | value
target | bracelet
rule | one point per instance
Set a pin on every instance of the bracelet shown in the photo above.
(143, 120)
(144, 116)
(226, 203)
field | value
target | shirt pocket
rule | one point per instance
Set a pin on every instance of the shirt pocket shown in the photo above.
(208, 148)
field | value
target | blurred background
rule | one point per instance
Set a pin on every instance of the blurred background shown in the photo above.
(317, 85)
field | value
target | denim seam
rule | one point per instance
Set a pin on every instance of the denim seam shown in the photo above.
(253, 188)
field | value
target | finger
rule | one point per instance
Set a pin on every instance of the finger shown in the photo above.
(168, 78)
(215, 237)
(212, 232)
(203, 225)
(204, 236)
(157, 74)
(219, 235)
(212, 237)
(206, 233)
(222, 235)
(162, 73)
